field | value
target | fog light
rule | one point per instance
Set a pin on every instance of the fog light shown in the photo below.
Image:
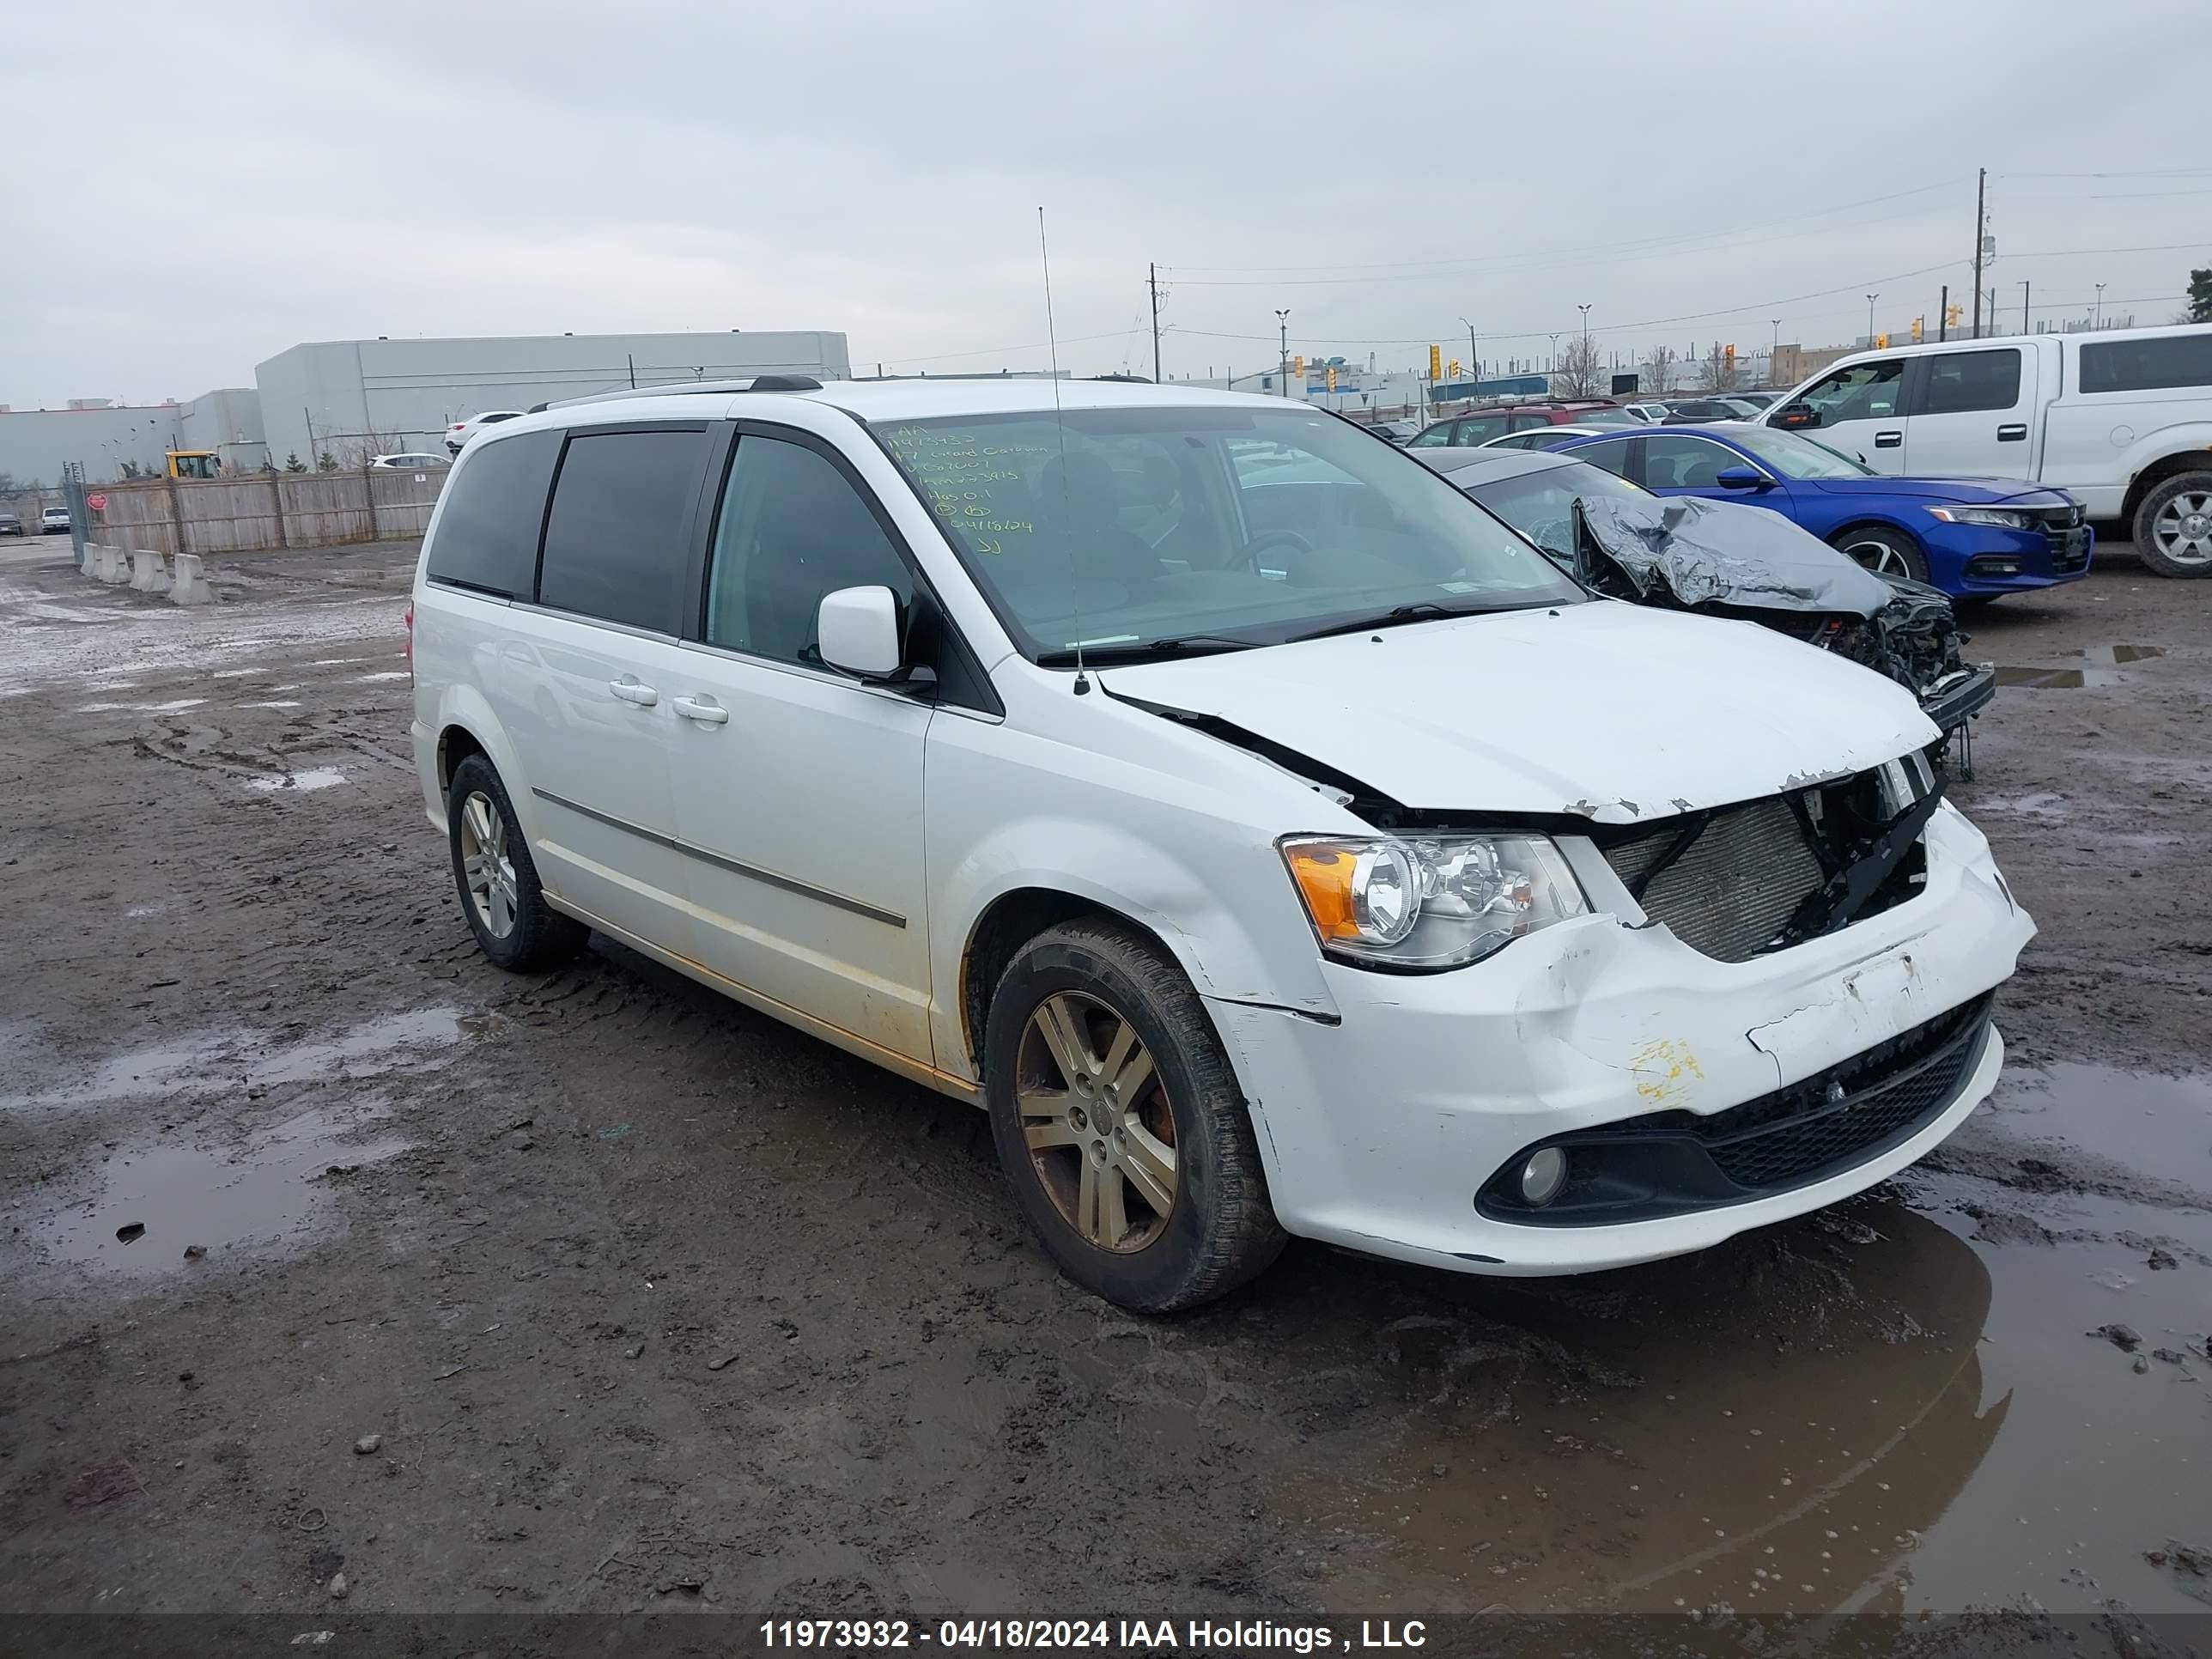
(1543, 1175)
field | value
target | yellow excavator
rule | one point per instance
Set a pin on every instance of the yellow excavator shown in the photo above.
(195, 464)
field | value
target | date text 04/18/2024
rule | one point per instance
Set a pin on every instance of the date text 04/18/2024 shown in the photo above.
(836, 1635)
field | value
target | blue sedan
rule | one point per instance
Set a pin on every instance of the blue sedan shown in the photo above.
(1973, 537)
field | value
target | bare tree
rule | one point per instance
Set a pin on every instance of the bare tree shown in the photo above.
(1580, 371)
(1717, 371)
(1659, 369)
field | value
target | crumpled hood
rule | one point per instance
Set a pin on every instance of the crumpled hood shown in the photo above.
(1704, 552)
(1967, 492)
(1605, 710)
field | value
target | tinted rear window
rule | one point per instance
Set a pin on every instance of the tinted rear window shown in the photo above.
(487, 529)
(2148, 365)
(1959, 382)
(617, 540)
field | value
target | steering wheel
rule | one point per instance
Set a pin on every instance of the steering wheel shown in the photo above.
(1268, 539)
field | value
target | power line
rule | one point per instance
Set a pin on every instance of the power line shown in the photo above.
(1593, 247)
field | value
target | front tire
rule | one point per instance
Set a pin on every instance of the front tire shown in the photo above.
(1885, 552)
(1119, 1123)
(2172, 526)
(497, 879)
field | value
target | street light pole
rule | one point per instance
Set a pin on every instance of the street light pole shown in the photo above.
(1871, 298)
(2025, 326)
(1473, 363)
(2098, 321)
(1283, 322)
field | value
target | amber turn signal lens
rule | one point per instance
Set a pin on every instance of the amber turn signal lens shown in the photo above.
(1324, 878)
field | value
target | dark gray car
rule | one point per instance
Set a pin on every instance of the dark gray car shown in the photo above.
(1724, 559)
(11, 524)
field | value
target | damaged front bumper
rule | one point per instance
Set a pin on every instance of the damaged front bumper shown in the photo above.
(1382, 1132)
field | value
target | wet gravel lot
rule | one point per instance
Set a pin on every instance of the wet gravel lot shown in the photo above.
(324, 1246)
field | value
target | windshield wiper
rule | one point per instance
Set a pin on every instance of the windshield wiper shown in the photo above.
(1420, 611)
(1181, 645)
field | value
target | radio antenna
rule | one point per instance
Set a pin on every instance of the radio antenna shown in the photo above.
(1060, 431)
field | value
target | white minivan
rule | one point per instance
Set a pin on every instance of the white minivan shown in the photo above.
(1269, 838)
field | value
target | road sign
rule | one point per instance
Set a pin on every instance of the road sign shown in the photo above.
(97, 503)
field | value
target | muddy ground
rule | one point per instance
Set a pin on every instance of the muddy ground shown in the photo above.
(647, 1301)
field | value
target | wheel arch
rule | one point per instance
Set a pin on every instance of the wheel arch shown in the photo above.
(1008, 923)
(466, 726)
(2154, 472)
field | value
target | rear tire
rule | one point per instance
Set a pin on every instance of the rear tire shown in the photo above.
(497, 879)
(1885, 552)
(2172, 525)
(1119, 1124)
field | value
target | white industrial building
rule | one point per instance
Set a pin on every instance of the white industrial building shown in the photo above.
(339, 395)
(351, 398)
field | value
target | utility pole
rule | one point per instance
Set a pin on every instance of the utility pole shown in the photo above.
(1283, 322)
(1943, 313)
(2026, 326)
(1154, 279)
(1981, 183)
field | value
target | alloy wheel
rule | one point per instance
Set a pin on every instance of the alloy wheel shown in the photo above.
(1097, 1121)
(2183, 529)
(1880, 557)
(485, 866)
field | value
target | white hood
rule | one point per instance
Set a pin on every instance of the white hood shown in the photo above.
(1609, 711)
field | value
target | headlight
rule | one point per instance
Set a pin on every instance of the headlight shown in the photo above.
(1997, 517)
(1434, 901)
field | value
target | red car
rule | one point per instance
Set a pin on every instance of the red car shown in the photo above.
(1480, 426)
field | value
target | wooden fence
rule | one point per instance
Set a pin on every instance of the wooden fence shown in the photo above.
(261, 511)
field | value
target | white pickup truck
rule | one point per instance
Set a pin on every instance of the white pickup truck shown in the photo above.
(2120, 419)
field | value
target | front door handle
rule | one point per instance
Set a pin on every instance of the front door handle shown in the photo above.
(2012, 435)
(1887, 440)
(629, 689)
(704, 710)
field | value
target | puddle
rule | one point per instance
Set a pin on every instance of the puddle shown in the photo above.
(156, 1203)
(2156, 1128)
(215, 1061)
(2058, 679)
(2106, 657)
(2116, 655)
(1866, 1410)
(315, 777)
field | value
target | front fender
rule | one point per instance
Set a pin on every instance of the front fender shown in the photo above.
(1236, 929)
(2168, 441)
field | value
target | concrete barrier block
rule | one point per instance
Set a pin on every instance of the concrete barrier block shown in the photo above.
(114, 568)
(89, 564)
(191, 586)
(149, 572)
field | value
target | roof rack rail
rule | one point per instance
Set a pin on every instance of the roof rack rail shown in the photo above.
(678, 388)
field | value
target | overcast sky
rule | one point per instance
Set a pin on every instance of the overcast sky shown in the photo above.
(197, 187)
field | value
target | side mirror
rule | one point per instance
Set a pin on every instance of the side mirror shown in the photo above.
(859, 631)
(1797, 416)
(1742, 477)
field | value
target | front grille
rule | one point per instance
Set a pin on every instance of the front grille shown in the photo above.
(1797, 1134)
(1729, 894)
(2072, 516)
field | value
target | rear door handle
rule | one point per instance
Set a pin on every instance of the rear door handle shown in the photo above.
(2012, 435)
(1887, 440)
(706, 711)
(629, 689)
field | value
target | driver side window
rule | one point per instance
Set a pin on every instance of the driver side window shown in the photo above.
(1864, 391)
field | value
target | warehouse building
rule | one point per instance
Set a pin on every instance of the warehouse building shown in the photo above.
(340, 396)
(351, 398)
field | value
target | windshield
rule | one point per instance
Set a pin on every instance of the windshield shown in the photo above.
(1167, 522)
(1541, 505)
(1795, 457)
